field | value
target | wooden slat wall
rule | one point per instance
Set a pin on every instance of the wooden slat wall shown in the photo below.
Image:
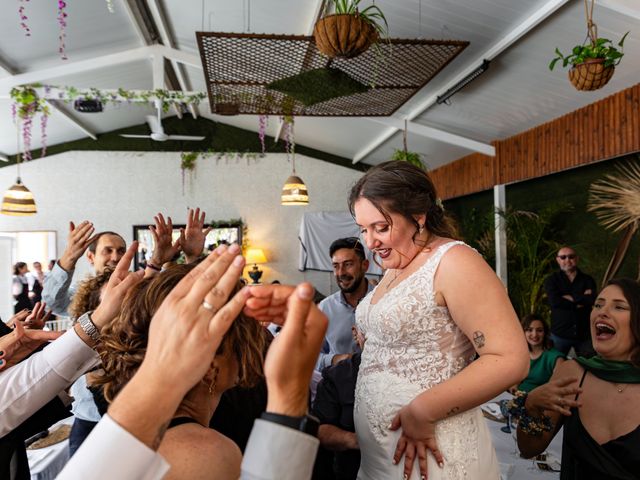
(605, 129)
(472, 173)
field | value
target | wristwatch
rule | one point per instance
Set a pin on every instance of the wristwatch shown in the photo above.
(88, 326)
(306, 424)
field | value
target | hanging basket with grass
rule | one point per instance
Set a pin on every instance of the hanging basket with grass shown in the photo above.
(344, 35)
(349, 31)
(591, 75)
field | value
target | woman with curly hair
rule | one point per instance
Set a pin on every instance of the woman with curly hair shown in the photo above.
(191, 448)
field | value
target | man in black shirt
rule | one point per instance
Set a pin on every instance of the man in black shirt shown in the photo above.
(571, 294)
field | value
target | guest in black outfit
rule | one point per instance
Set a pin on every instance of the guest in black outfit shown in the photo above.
(333, 406)
(571, 294)
(36, 283)
(595, 399)
(20, 287)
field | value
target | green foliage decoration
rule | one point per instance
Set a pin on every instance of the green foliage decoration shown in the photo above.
(602, 48)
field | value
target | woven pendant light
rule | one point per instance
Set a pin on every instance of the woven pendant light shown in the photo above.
(294, 191)
(18, 201)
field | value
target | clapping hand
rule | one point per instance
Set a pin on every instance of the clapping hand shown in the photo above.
(78, 241)
(189, 326)
(193, 236)
(19, 344)
(164, 250)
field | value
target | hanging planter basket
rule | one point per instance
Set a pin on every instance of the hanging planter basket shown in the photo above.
(590, 75)
(344, 35)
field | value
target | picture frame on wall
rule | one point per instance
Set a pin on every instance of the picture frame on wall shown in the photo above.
(224, 232)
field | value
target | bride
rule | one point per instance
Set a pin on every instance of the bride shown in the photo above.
(438, 305)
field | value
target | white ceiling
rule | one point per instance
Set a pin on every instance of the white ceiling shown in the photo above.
(518, 91)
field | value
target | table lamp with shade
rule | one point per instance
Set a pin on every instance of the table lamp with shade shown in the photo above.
(255, 256)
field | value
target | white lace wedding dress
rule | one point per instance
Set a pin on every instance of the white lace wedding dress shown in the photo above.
(411, 345)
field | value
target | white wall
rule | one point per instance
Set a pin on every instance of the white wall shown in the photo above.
(116, 190)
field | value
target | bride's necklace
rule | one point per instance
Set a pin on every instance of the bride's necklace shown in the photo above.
(397, 272)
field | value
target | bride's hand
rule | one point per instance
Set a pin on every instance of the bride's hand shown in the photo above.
(418, 436)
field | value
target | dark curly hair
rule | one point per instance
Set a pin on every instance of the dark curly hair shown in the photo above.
(402, 188)
(87, 296)
(124, 342)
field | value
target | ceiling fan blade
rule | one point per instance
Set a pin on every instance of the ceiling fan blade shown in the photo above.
(126, 135)
(185, 137)
(154, 124)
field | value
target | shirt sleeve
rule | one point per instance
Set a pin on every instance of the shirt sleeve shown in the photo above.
(276, 452)
(57, 291)
(29, 385)
(111, 452)
(555, 293)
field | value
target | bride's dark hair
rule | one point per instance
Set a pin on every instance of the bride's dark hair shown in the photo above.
(402, 188)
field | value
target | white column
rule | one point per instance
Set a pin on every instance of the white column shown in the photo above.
(500, 205)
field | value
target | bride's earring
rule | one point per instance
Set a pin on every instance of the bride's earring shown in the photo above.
(421, 229)
(214, 380)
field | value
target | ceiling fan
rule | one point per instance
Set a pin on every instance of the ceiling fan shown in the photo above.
(157, 132)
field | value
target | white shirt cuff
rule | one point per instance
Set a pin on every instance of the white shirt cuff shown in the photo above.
(279, 453)
(58, 355)
(111, 452)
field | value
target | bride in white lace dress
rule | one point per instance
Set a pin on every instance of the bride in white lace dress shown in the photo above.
(418, 392)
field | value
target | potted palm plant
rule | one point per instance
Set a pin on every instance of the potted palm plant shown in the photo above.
(349, 31)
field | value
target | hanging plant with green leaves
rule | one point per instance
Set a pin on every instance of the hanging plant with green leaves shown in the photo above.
(404, 155)
(350, 31)
(593, 62)
(26, 105)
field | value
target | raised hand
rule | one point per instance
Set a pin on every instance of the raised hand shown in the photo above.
(417, 438)
(21, 316)
(19, 344)
(78, 241)
(164, 250)
(193, 236)
(119, 283)
(38, 317)
(293, 353)
(188, 327)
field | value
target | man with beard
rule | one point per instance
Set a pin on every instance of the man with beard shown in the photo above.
(571, 294)
(103, 249)
(349, 266)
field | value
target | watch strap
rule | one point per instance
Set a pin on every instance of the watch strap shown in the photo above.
(307, 423)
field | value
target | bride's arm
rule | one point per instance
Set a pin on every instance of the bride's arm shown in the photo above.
(479, 305)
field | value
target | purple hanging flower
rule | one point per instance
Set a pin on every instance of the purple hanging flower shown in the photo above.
(27, 123)
(43, 133)
(62, 22)
(14, 111)
(263, 121)
(23, 19)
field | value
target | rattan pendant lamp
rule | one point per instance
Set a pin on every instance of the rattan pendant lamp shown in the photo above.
(294, 191)
(18, 201)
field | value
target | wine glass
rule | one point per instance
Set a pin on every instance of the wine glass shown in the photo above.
(513, 425)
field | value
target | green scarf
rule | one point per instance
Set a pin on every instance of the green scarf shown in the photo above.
(611, 370)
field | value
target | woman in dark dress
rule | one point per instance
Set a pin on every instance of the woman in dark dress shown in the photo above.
(595, 399)
(20, 287)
